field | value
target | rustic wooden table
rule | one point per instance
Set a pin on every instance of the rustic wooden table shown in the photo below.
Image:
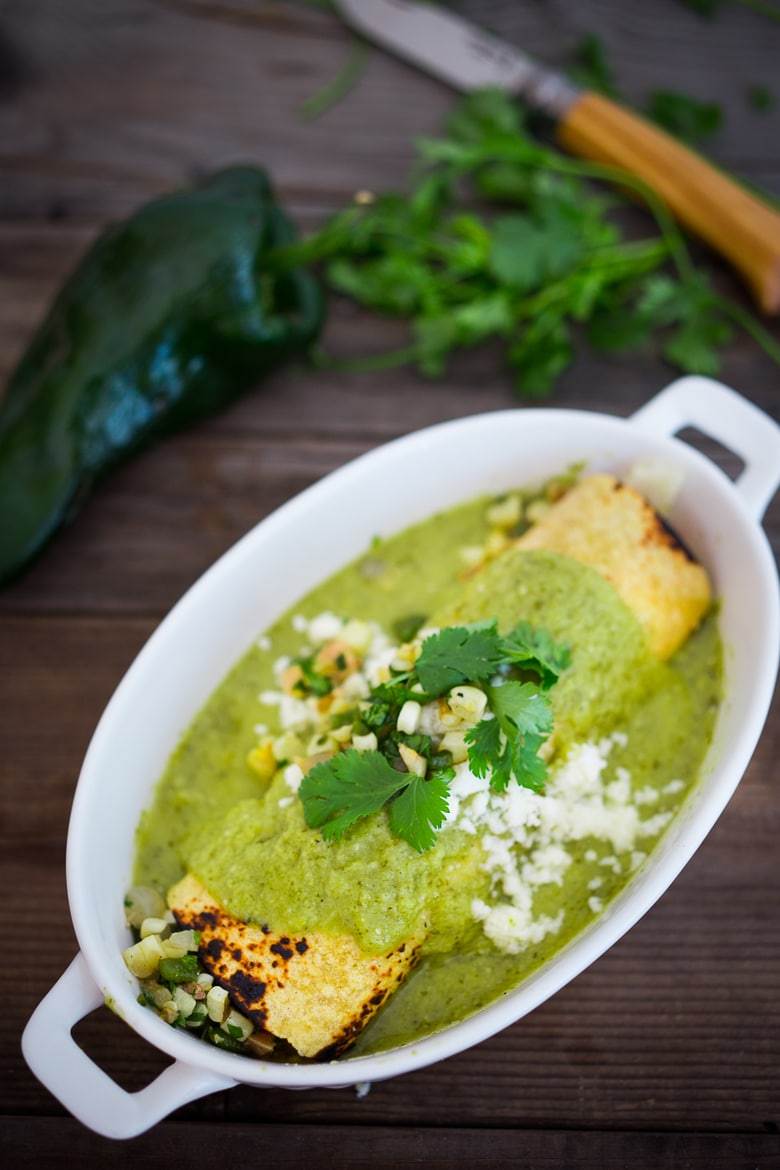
(666, 1053)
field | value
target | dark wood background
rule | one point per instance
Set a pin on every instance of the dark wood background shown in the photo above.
(666, 1053)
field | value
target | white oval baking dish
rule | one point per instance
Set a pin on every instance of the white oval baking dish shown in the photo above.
(215, 621)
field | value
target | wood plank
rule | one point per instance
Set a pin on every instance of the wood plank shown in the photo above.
(62, 1141)
(90, 139)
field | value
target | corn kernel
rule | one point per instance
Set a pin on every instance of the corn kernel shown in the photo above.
(357, 635)
(415, 763)
(262, 760)
(365, 743)
(468, 703)
(454, 742)
(409, 717)
(471, 556)
(506, 512)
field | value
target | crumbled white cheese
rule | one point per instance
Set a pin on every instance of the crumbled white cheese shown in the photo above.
(293, 776)
(527, 837)
(293, 712)
(511, 927)
(323, 627)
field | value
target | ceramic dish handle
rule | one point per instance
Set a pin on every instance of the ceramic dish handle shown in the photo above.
(726, 416)
(83, 1087)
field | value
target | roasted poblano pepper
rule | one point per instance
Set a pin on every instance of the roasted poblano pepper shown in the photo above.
(169, 317)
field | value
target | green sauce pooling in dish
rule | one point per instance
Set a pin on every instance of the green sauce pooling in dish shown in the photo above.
(633, 730)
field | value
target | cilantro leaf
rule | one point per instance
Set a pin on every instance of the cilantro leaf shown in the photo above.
(541, 354)
(683, 115)
(592, 68)
(502, 768)
(507, 745)
(520, 709)
(484, 746)
(342, 790)
(493, 754)
(525, 254)
(421, 809)
(528, 767)
(693, 347)
(532, 649)
(459, 654)
(761, 98)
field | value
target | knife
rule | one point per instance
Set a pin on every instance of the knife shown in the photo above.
(742, 228)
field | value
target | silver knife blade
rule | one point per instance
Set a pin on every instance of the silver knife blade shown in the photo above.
(455, 51)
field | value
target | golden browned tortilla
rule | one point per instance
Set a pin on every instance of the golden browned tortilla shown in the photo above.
(612, 528)
(317, 991)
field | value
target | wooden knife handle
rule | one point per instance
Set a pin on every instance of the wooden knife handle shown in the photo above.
(737, 224)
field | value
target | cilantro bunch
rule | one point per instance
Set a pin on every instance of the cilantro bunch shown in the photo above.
(504, 238)
(514, 672)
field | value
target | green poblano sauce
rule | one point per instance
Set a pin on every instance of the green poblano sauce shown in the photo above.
(249, 844)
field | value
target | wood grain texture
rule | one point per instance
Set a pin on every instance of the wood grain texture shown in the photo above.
(666, 1052)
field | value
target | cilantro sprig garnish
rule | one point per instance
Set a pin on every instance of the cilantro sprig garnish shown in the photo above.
(514, 671)
(502, 237)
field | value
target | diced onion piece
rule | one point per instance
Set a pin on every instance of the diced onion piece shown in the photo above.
(171, 950)
(142, 958)
(658, 481)
(184, 1002)
(188, 939)
(237, 1026)
(217, 1004)
(143, 902)
(155, 926)
(260, 1043)
(506, 512)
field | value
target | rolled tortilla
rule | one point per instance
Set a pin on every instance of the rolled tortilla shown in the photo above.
(611, 527)
(317, 990)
